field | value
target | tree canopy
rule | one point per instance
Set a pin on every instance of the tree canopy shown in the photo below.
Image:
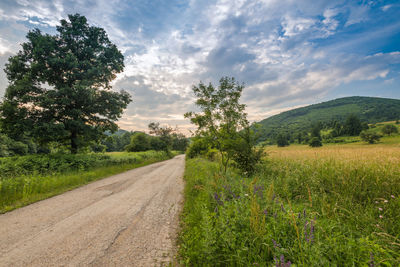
(59, 86)
(223, 122)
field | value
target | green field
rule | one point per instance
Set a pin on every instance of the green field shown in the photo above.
(27, 179)
(337, 205)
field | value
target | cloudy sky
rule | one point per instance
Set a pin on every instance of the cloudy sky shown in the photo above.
(288, 53)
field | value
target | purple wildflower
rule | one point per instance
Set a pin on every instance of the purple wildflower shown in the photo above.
(275, 244)
(312, 231)
(304, 213)
(281, 262)
(371, 262)
(230, 192)
(218, 199)
(309, 234)
(299, 216)
(282, 208)
(266, 213)
(273, 197)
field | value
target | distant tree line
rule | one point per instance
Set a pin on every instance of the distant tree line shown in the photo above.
(352, 126)
(162, 139)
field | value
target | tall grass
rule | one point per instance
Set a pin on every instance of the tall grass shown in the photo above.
(24, 180)
(336, 205)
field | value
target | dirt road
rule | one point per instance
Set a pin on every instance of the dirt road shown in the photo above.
(129, 219)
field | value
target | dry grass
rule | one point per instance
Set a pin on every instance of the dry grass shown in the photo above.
(381, 154)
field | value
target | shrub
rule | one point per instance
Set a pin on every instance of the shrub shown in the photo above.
(389, 129)
(315, 142)
(212, 154)
(281, 140)
(369, 137)
(246, 156)
(139, 142)
(199, 146)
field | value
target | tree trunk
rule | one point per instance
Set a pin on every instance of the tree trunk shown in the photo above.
(74, 143)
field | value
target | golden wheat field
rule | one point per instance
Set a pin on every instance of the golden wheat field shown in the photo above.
(381, 154)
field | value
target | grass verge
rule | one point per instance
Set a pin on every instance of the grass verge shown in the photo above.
(19, 191)
(309, 207)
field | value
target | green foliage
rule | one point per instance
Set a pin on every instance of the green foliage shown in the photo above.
(117, 141)
(370, 137)
(179, 142)
(27, 179)
(368, 109)
(311, 213)
(212, 154)
(352, 126)
(60, 88)
(164, 133)
(281, 140)
(316, 131)
(389, 129)
(221, 120)
(9, 147)
(315, 142)
(247, 156)
(198, 147)
(139, 142)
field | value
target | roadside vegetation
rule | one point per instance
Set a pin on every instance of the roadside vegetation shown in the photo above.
(27, 179)
(335, 205)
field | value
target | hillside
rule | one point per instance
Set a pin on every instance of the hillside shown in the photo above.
(368, 109)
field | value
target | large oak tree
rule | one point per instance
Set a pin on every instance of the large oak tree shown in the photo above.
(59, 86)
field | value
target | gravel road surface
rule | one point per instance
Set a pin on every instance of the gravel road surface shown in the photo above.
(129, 219)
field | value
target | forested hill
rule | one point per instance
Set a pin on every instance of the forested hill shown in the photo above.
(368, 109)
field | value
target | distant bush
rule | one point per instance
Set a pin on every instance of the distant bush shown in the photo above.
(389, 129)
(139, 142)
(199, 146)
(370, 137)
(315, 142)
(282, 140)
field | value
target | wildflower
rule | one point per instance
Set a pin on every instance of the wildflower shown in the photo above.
(299, 216)
(385, 201)
(309, 234)
(246, 195)
(275, 244)
(273, 197)
(380, 209)
(266, 212)
(304, 213)
(376, 202)
(312, 231)
(392, 196)
(218, 199)
(230, 192)
(380, 216)
(282, 208)
(371, 262)
(281, 262)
